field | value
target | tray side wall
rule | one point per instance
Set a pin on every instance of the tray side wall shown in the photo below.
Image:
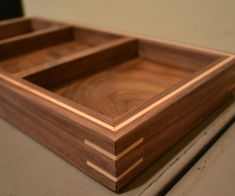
(172, 122)
(56, 131)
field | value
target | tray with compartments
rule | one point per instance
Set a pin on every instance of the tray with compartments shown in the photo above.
(108, 102)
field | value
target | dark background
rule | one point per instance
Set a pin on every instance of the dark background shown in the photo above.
(10, 9)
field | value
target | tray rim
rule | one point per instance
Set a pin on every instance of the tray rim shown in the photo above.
(116, 124)
(113, 128)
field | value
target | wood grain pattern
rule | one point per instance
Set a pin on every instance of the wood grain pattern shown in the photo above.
(22, 26)
(14, 28)
(122, 88)
(40, 57)
(176, 56)
(59, 132)
(108, 103)
(19, 45)
(86, 63)
(178, 117)
(42, 49)
(203, 75)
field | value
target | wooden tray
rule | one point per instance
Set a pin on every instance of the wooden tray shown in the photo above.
(110, 103)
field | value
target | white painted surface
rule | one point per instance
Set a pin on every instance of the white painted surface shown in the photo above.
(214, 173)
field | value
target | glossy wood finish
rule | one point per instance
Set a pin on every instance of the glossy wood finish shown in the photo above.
(33, 59)
(112, 90)
(22, 26)
(107, 102)
(46, 47)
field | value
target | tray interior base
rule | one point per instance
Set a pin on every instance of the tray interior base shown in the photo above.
(119, 89)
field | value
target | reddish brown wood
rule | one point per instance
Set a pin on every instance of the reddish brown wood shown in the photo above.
(28, 52)
(107, 102)
(112, 89)
(24, 26)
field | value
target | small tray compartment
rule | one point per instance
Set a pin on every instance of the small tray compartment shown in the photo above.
(143, 71)
(46, 49)
(16, 27)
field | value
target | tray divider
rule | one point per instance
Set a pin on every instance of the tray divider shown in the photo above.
(73, 57)
(14, 27)
(28, 42)
(89, 61)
